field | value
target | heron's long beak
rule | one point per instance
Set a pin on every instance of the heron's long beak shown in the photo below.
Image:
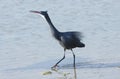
(35, 11)
(39, 12)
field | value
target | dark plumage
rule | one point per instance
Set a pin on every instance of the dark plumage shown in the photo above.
(68, 40)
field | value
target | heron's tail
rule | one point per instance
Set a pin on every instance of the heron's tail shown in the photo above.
(81, 44)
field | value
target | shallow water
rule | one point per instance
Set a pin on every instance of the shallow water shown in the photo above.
(27, 47)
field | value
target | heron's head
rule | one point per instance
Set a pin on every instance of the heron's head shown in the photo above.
(42, 13)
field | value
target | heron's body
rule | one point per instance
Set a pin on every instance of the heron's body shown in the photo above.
(68, 40)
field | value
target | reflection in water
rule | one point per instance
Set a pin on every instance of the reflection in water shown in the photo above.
(65, 75)
(75, 74)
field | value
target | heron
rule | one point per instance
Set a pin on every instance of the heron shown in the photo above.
(68, 40)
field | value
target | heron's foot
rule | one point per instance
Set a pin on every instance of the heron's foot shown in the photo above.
(55, 67)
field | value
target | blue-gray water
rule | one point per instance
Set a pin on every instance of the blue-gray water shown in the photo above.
(26, 42)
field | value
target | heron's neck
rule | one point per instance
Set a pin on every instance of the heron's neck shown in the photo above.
(54, 31)
(50, 23)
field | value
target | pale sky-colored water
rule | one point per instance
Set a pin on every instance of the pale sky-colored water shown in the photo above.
(25, 39)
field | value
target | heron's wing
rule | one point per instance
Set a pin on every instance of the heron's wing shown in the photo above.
(71, 39)
(73, 36)
(77, 35)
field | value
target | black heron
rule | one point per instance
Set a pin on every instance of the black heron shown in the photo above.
(68, 40)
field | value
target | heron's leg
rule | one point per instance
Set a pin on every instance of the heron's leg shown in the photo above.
(74, 58)
(60, 60)
(75, 75)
